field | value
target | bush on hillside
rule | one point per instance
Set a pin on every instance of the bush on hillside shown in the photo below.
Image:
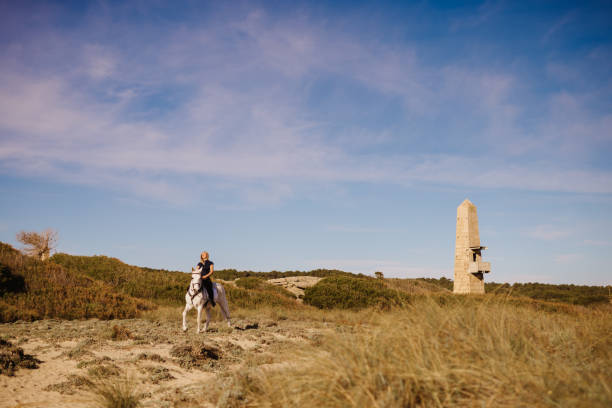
(345, 292)
(255, 298)
(250, 282)
(168, 288)
(10, 283)
(51, 291)
(255, 283)
(159, 286)
(443, 282)
(415, 286)
(572, 294)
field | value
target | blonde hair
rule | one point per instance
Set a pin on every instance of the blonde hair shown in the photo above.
(204, 256)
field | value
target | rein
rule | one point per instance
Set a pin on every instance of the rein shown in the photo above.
(195, 287)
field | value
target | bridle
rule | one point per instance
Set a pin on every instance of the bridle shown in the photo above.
(195, 286)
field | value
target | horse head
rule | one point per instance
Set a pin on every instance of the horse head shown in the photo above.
(195, 275)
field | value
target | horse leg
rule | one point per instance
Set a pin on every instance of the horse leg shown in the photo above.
(224, 308)
(207, 318)
(199, 316)
(188, 307)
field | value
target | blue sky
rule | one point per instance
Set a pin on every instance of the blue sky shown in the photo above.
(296, 136)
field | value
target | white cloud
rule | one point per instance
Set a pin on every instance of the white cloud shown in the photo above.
(483, 14)
(244, 118)
(558, 26)
(98, 61)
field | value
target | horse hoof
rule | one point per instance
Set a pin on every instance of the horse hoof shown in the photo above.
(184, 329)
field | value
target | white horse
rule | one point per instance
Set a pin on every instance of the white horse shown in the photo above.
(197, 296)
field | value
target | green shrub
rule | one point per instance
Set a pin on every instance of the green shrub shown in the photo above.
(11, 313)
(572, 294)
(155, 285)
(443, 282)
(345, 292)
(255, 283)
(167, 287)
(10, 283)
(250, 282)
(51, 291)
(254, 298)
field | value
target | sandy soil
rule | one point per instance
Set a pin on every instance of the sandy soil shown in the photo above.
(168, 367)
(296, 284)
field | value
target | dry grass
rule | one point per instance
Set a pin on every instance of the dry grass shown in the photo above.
(37, 290)
(116, 393)
(486, 353)
(13, 358)
(120, 333)
(439, 351)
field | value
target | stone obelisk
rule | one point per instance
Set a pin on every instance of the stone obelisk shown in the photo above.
(469, 268)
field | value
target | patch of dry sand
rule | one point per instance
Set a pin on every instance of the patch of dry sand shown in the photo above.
(75, 351)
(296, 284)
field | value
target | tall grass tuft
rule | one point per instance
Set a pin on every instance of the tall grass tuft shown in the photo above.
(490, 353)
(116, 393)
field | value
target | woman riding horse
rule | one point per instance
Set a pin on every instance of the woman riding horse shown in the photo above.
(206, 270)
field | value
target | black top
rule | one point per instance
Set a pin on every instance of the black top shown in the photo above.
(205, 267)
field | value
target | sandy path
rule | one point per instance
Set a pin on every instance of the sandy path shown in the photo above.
(72, 349)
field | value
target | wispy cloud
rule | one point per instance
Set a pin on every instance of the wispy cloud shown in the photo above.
(558, 26)
(231, 104)
(483, 14)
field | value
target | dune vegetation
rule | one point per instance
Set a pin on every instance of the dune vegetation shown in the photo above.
(74, 287)
(159, 286)
(353, 341)
(573, 294)
(348, 292)
(77, 287)
(32, 289)
(484, 352)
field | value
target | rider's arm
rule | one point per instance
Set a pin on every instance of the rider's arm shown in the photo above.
(209, 273)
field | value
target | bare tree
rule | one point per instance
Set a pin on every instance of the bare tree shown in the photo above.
(37, 244)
